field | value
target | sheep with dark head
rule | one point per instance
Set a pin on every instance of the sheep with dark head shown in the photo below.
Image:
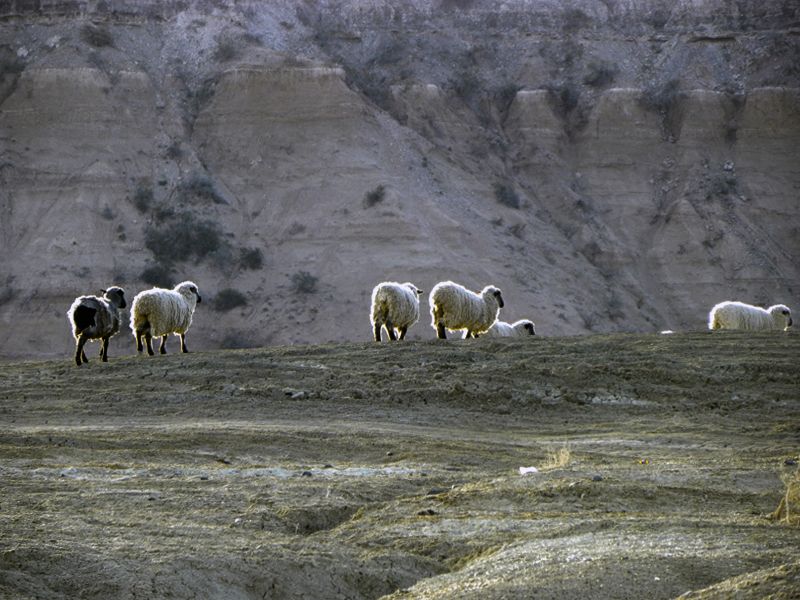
(455, 307)
(95, 318)
(521, 328)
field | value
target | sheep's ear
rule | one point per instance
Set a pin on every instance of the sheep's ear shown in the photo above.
(102, 292)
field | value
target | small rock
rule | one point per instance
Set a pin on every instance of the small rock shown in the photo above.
(597, 478)
(790, 462)
(428, 512)
(306, 474)
(390, 453)
(204, 478)
(436, 491)
(327, 466)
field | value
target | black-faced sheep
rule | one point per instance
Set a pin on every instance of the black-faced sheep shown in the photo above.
(159, 312)
(95, 318)
(394, 306)
(455, 307)
(521, 328)
(738, 315)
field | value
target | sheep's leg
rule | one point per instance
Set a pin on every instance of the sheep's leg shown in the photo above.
(184, 349)
(403, 333)
(163, 347)
(390, 330)
(80, 356)
(148, 338)
(377, 332)
(139, 345)
(104, 349)
(440, 333)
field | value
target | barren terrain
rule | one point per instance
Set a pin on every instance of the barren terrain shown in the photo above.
(363, 470)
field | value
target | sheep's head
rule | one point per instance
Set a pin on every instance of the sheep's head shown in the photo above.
(528, 327)
(188, 289)
(115, 295)
(414, 288)
(493, 292)
(781, 314)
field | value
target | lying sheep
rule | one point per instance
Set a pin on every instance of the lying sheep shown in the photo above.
(394, 306)
(455, 307)
(520, 328)
(159, 312)
(95, 318)
(738, 315)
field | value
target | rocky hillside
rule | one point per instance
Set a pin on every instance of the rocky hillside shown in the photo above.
(611, 165)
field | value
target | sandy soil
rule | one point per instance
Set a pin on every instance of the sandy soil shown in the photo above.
(365, 470)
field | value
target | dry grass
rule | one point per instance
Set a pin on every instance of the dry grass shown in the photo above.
(557, 459)
(788, 510)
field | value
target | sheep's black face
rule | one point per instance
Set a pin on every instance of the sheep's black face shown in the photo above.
(499, 296)
(529, 328)
(196, 293)
(116, 295)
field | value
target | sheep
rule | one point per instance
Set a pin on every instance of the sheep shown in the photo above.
(158, 312)
(455, 307)
(95, 318)
(738, 315)
(521, 328)
(394, 306)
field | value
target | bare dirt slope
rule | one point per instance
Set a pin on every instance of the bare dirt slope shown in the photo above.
(362, 471)
(612, 166)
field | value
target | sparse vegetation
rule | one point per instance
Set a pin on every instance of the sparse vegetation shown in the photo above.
(375, 196)
(304, 282)
(143, 196)
(96, 36)
(506, 195)
(183, 238)
(158, 275)
(557, 459)
(199, 187)
(788, 510)
(517, 230)
(228, 299)
(251, 258)
(227, 49)
(599, 74)
(107, 213)
(296, 228)
(174, 151)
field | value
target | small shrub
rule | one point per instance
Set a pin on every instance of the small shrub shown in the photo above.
(564, 98)
(157, 275)
(599, 74)
(557, 459)
(574, 19)
(661, 98)
(107, 213)
(143, 197)
(505, 195)
(199, 187)
(375, 196)
(517, 230)
(227, 49)
(174, 151)
(183, 238)
(296, 228)
(96, 36)
(304, 282)
(788, 510)
(504, 96)
(251, 258)
(228, 299)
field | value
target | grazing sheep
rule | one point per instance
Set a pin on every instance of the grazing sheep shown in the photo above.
(738, 315)
(394, 306)
(159, 312)
(521, 328)
(455, 307)
(95, 318)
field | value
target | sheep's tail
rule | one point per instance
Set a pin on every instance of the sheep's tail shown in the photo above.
(84, 317)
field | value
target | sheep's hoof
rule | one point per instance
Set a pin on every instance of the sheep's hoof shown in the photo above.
(162, 351)
(150, 352)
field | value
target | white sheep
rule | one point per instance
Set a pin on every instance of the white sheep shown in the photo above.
(394, 306)
(95, 318)
(738, 315)
(158, 312)
(521, 328)
(455, 307)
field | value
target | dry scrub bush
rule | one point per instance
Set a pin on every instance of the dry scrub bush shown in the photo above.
(788, 510)
(557, 459)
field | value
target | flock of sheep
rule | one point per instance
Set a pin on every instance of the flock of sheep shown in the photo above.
(160, 312)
